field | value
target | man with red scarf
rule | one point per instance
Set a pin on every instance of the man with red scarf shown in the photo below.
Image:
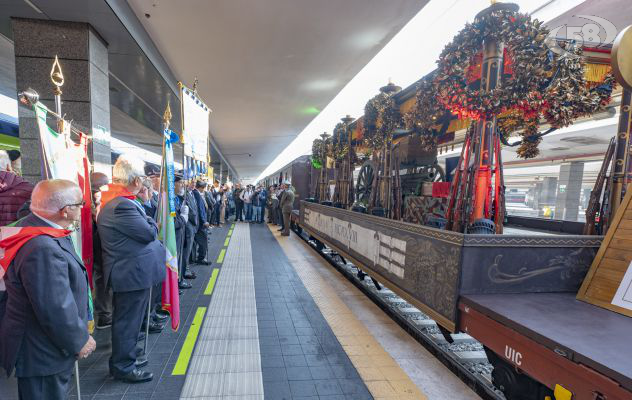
(133, 261)
(44, 327)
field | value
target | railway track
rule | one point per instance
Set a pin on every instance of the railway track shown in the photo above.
(464, 355)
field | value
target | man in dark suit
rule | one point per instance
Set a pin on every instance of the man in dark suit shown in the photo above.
(189, 235)
(201, 236)
(44, 329)
(133, 261)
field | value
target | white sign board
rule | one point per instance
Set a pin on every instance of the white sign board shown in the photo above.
(623, 296)
(195, 117)
(383, 250)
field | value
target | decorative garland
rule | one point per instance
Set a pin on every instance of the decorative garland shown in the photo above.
(381, 118)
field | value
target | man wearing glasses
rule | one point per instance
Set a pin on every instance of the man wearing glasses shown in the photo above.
(44, 329)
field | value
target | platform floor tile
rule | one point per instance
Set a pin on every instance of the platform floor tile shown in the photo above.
(226, 361)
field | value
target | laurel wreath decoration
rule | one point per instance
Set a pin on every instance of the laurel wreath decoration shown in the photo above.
(427, 117)
(381, 118)
(340, 142)
(538, 85)
(321, 148)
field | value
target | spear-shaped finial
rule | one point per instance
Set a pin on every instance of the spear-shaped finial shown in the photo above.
(166, 117)
(56, 76)
(195, 85)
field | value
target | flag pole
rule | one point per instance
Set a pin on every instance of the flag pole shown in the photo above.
(57, 78)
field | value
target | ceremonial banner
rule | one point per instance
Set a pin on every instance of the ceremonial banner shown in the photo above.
(195, 125)
(167, 232)
(63, 159)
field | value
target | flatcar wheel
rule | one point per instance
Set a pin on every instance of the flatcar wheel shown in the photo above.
(514, 384)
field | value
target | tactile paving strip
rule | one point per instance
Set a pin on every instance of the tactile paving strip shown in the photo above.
(226, 362)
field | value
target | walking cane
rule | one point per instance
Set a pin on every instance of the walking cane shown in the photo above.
(148, 319)
(77, 377)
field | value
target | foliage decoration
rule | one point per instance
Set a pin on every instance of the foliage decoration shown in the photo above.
(340, 142)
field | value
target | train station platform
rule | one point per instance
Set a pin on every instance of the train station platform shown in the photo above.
(271, 319)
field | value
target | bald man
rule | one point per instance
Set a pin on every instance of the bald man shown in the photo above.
(44, 328)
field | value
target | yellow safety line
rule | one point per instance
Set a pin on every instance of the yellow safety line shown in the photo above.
(384, 378)
(211, 282)
(226, 241)
(230, 232)
(220, 258)
(189, 343)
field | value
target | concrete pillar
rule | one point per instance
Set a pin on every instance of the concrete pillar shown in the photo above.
(83, 58)
(545, 194)
(568, 191)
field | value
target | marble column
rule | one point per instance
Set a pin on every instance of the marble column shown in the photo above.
(83, 58)
(569, 190)
(545, 194)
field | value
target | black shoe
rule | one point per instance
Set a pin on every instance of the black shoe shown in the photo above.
(141, 361)
(160, 318)
(190, 275)
(154, 327)
(201, 262)
(185, 285)
(104, 325)
(136, 376)
(162, 312)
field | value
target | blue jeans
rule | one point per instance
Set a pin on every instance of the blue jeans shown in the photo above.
(248, 209)
(257, 216)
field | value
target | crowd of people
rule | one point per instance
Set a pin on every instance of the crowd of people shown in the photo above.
(44, 294)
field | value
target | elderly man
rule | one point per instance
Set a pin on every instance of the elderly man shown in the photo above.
(286, 204)
(133, 261)
(44, 329)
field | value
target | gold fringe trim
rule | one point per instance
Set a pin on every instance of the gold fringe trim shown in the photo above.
(596, 72)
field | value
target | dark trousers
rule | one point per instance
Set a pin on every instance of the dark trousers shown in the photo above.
(286, 221)
(127, 318)
(53, 387)
(201, 239)
(279, 214)
(102, 296)
(189, 239)
(216, 210)
(239, 210)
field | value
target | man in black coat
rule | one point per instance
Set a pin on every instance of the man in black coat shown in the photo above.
(44, 328)
(133, 261)
(189, 236)
(201, 236)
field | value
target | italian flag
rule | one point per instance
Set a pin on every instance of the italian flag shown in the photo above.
(167, 233)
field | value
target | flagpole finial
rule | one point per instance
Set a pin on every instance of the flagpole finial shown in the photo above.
(166, 117)
(195, 85)
(57, 76)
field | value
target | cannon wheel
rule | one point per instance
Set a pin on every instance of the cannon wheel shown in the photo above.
(430, 173)
(365, 182)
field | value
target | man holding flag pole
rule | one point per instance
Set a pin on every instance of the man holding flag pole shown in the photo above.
(166, 220)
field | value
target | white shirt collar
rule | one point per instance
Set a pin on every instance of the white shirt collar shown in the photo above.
(49, 222)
